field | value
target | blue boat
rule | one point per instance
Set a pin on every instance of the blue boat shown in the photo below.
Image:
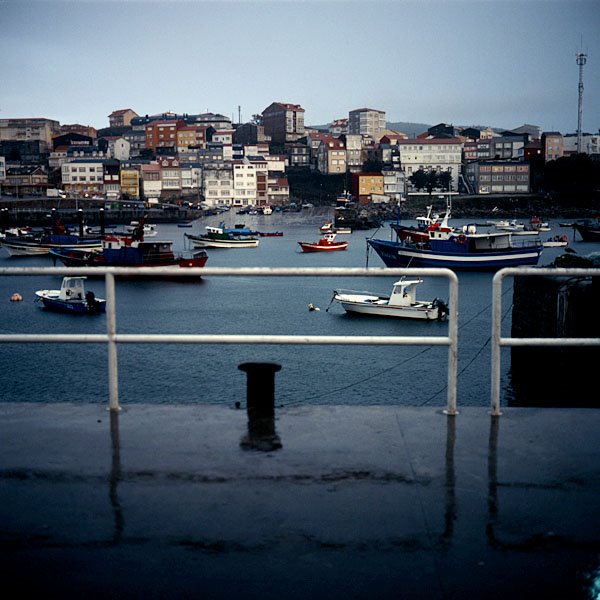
(460, 249)
(72, 298)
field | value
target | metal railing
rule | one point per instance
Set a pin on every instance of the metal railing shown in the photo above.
(112, 338)
(498, 341)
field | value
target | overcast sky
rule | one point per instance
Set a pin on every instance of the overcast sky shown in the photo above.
(477, 62)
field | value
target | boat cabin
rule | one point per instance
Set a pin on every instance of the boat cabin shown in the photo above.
(404, 292)
(72, 288)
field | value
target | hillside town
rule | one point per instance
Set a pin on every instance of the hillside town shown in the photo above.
(207, 161)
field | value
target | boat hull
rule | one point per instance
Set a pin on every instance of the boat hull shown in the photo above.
(403, 312)
(315, 247)
(588, 233)
(395, 255)
(16, 248)
(203, 242)
(80, 307)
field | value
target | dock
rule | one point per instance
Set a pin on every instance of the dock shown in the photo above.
(171, 501)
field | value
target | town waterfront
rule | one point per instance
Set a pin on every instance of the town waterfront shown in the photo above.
(317, 375)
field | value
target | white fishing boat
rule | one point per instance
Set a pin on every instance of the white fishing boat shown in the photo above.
(72, 298)
(401, 303)
(149, 228)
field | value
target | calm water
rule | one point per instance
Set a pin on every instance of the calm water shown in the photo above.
(411, 375)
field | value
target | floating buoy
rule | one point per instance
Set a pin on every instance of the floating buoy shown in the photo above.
(312, 307)
(16, 297)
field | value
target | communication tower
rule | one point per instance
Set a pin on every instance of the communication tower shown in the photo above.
(581, 60)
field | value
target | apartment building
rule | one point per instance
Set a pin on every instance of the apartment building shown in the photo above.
(26, 130)
(355, 155)
(85, 175)
(121, 118)
(338, 127)
(217, 185)
(163, 134)
(367, 121)
(495, 177)
(190, 138)
(130, 182)
(25, 180)
(170, 175)
(590, 144)
(86, 130)
(443, 154)
(283, 122)
(365, 185)
(251, 133)
(151, 184)
(244, 183)
(393, 184)
(225, 137)
(331, 156)
(552, 145)
(508, 147)
(278, 190)
(298, 155)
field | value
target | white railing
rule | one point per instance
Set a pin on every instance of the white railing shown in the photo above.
(498, 341)
(112, 337)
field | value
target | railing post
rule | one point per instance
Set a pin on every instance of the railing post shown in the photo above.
(453, 346)
(496, 350)
(111, 330)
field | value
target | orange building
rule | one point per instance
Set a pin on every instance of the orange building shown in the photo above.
(163, 134)
(366, 184)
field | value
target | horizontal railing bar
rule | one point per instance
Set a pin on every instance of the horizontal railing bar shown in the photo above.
(145, 338)
(226, 271)
(549, 341)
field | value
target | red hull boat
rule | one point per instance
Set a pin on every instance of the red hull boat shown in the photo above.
(326, 244)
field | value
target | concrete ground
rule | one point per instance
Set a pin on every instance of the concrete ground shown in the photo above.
(163, 501)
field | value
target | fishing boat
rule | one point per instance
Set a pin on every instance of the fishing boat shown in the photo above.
(588, 229)
(149, 228)
(216, 237)
(270, 233)
(418, 233)
(34, 243)
(557, 241)
(326, 227)
(402, 303)
(460, 249)
(536, 224)
(326, 244)
(72, 298)
(126, 251)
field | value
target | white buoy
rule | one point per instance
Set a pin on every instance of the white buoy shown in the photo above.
(16, 297)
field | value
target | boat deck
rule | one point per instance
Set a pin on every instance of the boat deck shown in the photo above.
(162, 501)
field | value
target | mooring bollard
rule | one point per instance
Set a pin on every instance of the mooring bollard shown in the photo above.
(260, 406)
(260, 388)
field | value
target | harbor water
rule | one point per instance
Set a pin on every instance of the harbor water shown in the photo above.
(310, 375)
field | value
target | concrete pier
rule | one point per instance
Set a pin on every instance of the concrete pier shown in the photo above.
(163, 501)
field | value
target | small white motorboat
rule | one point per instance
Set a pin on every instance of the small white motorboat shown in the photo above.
(557, 241)
(72, 298)
(401, 303)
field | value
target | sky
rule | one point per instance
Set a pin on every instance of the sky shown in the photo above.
(474, 62)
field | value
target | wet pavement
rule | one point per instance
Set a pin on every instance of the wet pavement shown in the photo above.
(320, 502)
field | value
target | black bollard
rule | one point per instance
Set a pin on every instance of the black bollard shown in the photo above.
(260, 389)
(260, 405)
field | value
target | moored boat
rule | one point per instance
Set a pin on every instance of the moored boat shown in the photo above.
(216, 237)
(462, 249)
(124, 251)
(588, 229)
(557, 241)
(72, 298)
(401, 303)
(326, 244)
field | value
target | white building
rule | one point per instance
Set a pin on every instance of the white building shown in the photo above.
(217, 185)
(590, 143)
(244, 183)
(83, 176)
(439, 154)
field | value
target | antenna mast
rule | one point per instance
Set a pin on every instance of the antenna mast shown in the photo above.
(581, 60)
